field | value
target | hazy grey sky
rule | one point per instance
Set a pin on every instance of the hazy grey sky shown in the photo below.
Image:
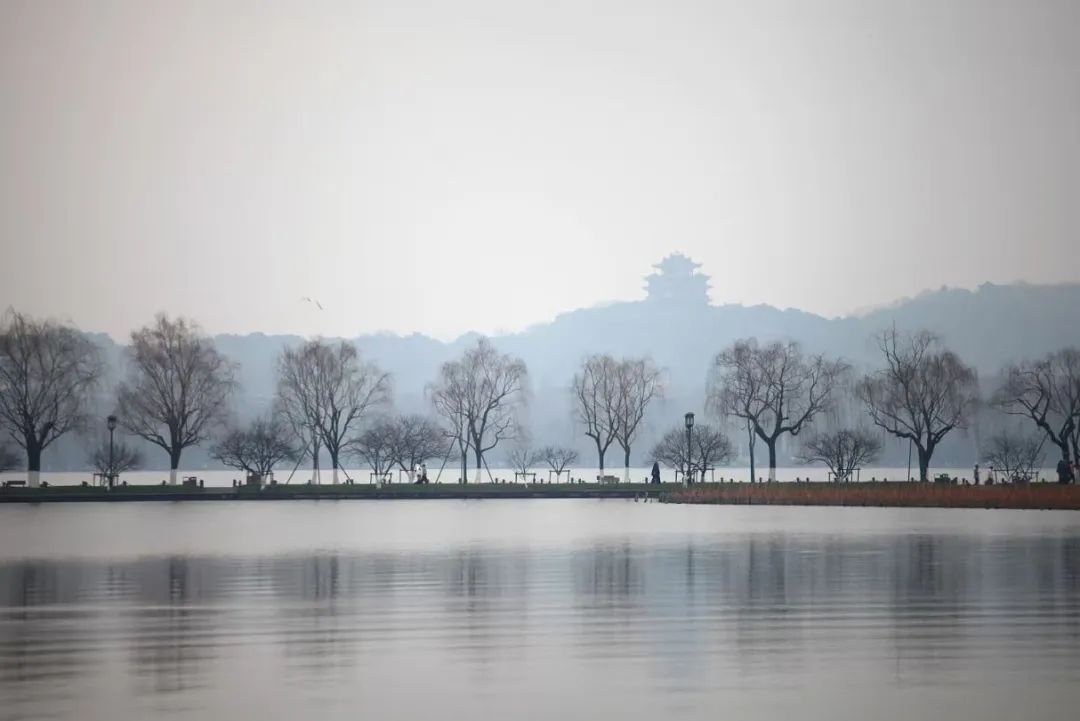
(485, 164)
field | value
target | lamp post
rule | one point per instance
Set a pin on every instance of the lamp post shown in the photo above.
(111, 423)
(689, 419)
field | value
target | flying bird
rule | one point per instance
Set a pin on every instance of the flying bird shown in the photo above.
(312, 300)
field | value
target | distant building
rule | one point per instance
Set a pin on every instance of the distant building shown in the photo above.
(676, 280)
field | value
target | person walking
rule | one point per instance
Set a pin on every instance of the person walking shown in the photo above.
(655, 472)
(976, 474)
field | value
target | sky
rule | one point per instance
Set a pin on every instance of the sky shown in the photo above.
(440, 167)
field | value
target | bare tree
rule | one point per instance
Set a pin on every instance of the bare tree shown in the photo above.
(482, 392)
(1046, 391)
(595, 389)
(297, 398)
(638, 383)
(842, 450)
(450, 397)
(1016, 455)
(111, 460)
(177, 389)
(416, 439)
(258, 448)
(326, 390)
(775, 388)
(47, 374)
(377, 446)
(706, 448)
(558, 458)
(522, 458)
(923, 392)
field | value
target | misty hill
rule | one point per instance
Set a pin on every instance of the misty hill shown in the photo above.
(677, 326)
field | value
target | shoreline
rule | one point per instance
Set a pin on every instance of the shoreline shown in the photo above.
(128, 494)
(1036, 496)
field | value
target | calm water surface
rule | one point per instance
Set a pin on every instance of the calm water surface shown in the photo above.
(536, 610)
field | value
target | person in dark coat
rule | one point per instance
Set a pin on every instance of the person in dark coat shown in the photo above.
(1063, 471)
(655, 472)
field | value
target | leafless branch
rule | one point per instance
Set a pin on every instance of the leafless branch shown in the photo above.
(923, 392)
(259, 448)
(842, 450)
(775, 389)
(177, 389)
(47, 373)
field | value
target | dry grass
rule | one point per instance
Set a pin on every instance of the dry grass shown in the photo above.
(917, 495)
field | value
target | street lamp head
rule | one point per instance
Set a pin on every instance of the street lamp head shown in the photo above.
(111, 421)
(689, 417)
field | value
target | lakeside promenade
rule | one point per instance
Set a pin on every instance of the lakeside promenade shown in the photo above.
(283, 492)
(895, 494)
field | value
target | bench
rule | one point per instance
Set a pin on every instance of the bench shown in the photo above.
(607, 479)
(14, 484)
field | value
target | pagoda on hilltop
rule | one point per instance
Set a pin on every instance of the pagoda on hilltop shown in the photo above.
(676, 280)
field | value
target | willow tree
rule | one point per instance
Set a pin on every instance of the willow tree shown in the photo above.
(922, 394)
(1046, 392)
(480, 396)
(775, 389)
(595, 391)
(450, 398)
(326, 389)
(177, 388)
(48, 372)
(638, 383)
(297, 400)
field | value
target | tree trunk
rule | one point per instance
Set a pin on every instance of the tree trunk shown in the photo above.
(315, 449)
(772, 459)
(1064, 448)
(600, 454)
(924, 463)
(334, 464)
(464, 466)
(752, 439)
(626, 464)
(174, 463)
(33, 464)
(479, 464)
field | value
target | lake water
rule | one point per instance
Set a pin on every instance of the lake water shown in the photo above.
(536, 609)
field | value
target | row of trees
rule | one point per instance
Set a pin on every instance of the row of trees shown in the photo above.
(921, 393)
(176, 393)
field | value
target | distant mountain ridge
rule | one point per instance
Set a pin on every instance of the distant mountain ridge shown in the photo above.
(989, 326)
